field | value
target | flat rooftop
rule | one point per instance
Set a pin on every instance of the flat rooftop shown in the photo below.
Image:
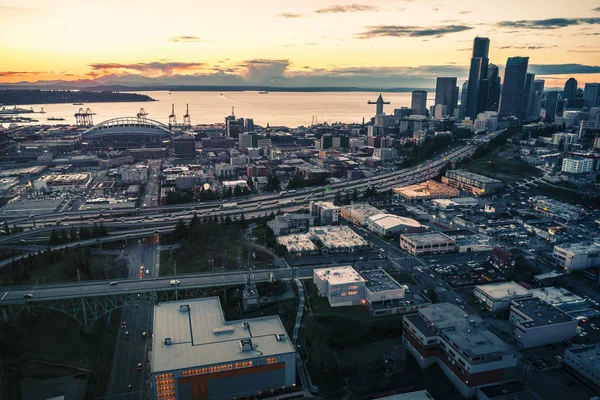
(504, 290)
(388, 221)
(297, 243)
(339, 275)
(458, 202)
(379, 281)
(202, 337)
(508, 391)
(426, 189)
(418, 395)
(588, 355)
(589, 247)
(337, 236)
(540, 313)
(465, 331)
(428, 238)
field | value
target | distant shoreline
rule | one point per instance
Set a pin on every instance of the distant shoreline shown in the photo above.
(16, 97)
(122, 88)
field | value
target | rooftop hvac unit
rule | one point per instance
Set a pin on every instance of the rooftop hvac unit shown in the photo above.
(246, 325)
(168, 341)
(280, 337)
(246, 344)
(184, 308)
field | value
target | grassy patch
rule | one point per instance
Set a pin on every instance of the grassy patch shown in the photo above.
(503, 164)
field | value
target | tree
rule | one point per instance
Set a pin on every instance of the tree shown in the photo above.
(250, 183)
(6, 228)
(73, 235)
(237, 191)
(273, 183)
(195, 221)
(180, 229)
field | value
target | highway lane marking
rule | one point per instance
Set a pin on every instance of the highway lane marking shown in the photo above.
(5, 295)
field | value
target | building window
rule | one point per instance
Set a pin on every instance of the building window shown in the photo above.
(271, 360)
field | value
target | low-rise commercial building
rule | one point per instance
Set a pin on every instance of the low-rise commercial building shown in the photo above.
(455, 204)
(342, 286)
(584, 361)
(467, 352)
(476, 184)
(427, 243)
(52, 182)
(497, 297)
(358, 213)
(567, 302)
(387, 224)
(577, 256)
(537, 323)
(197, 354)
(134, 174)
(337, 239)
(425, 191)
(298, 244)
(558, 210)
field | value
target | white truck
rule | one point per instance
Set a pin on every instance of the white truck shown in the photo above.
(228, 205)
(174, 282)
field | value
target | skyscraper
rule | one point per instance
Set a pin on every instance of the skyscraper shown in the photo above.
(476, 98)
(533, 109)
(513, 90)
(446, 93)
(591, 94)
(493, 94)
(463, 99)
(419, 102)
(570, 89)
(529, 79)
(550, 105)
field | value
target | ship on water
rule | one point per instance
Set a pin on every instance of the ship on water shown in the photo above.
(16, 110)
(55, 119)
(77, 104)
(263, 92)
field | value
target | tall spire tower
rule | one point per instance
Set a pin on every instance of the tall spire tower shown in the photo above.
(379, 105)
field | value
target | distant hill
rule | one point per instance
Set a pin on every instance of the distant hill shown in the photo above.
(11, 97)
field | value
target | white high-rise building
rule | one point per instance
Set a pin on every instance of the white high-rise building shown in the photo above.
(577, 165)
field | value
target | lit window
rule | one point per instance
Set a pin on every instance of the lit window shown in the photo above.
(271, 360)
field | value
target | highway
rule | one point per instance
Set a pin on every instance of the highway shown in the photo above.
(269, 201)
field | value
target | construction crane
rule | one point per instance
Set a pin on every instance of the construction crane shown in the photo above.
(84, 118)
(187, 120)
(172, 118)
(142, 115)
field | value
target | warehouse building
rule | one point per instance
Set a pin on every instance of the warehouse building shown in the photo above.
(577, 256)
(467, 352)
(52, 182)
(427, 243)
(298, 244)
(476, 184)
(425, 191)
(358, 213)
(387, 224)
(584, 362)
(537, 323)
(196, 354)
(342, 286)
(567, 302)
(497, 297)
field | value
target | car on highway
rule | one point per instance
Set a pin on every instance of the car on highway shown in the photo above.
(458, 301)
(420, 269)
(113, 283)
(174, 282)
(144, 334)
(126, 334)
(432, 276)
(129, 388)
(27, 296)
(124, 324)
(139, 366)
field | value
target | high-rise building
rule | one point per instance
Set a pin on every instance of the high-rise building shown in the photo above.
(419, 102)
(476, 98)
(534, 107)
(513, 90)
(248, 125)
(529, 79)
(493, 95)
(446, 93)
(570, 89)
(234, 127)
(463, 99)
(550, 105)
(591, 94)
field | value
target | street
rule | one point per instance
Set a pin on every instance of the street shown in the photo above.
(129, 352)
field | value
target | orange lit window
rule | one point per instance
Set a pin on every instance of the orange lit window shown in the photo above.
(244, 364)
(353, 293)
(271, 360)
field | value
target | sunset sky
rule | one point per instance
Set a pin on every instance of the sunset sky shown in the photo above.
(388, 43)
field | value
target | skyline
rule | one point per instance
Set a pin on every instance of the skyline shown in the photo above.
(289, 44)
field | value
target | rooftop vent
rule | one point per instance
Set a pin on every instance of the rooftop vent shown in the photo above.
(184, 308)
(246, 344)
(280, 337)
(168, 341)
(246, 325)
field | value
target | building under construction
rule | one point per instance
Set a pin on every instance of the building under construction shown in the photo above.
(425, 191)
